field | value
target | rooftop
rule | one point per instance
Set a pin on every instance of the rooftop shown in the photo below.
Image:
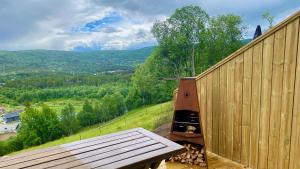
(12, 114)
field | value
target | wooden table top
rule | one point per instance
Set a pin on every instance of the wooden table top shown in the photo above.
(127, 149)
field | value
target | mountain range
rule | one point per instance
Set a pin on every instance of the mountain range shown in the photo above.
(51, 61)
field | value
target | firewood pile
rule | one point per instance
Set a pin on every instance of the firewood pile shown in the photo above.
(193, 156)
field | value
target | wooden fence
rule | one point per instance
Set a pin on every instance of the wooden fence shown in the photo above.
(250, 101)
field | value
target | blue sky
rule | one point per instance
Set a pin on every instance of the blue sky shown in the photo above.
(112, 24)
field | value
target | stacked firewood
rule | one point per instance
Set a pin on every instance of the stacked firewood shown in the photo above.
(193, 156)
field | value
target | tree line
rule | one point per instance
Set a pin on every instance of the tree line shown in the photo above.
(41, 125)
(189, 42)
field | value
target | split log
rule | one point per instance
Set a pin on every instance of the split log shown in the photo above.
(194, 155)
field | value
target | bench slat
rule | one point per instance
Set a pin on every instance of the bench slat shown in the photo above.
(26, 154)
(65, 154)
(64, 149)
(126, 149)
(89, 154)
(117, 157)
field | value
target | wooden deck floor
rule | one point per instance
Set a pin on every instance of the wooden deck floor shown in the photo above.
(214, 162)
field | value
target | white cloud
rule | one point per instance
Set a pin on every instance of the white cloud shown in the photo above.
(48, 24)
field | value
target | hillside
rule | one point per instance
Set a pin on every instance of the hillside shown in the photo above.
(148, 117)
(37, 61)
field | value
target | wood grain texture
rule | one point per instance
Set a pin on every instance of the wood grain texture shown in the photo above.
(203, 106)
(216, 110)
(223, 108)
(209, 117)
(135, 147)
(258, 121)
(237, 116)
(255, 104)
(295, 140)
(264, 120)
(252, 44)
(230, 108)
(214, 162)
(288, 93)
(276, 93)
(246, 114)
(198, 83)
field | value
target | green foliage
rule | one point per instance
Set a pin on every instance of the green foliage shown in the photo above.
(55, 80)
(86, 117)
(150, 83)
(69, 121)
(270, 19)
(223, 37)
(39, 126)
(145, 117)
(3, 148)
(12, 144)
(109, 107)
(17, 95)
(48, 61)
(179, 35)
(112, 106)
(191, 41)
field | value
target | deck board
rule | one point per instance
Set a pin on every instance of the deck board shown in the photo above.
(214, 162)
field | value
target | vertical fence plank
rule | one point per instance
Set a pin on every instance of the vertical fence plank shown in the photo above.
(237, 117)
(198, 86)
(265, 102)
(295, 140)
(277, 75)
(216, 109)
(255, 104)
(246, 114)
(223, 108)
(230, 109)
(203, 107)
(287, 95)
(251, 103)
(209, 116)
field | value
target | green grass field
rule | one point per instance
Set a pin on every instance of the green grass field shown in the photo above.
(148, 117)
(59, 104)
(56, 105)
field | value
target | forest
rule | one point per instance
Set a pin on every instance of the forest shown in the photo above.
(189, 42)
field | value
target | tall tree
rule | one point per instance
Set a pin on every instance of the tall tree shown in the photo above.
(86, 117)
(179, 35)
(151, 82)
(270, 19)
(224, 35)
(39, 126)
(69, 121)
(189, 41)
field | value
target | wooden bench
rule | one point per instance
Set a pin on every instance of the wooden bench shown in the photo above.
(135, 148)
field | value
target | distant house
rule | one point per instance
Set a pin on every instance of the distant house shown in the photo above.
(11, 117)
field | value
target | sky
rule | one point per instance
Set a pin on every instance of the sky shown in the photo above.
(82, 25)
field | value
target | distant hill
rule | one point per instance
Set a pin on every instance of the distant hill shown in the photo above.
(246, 41)
(52, 61)
(37, 61)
